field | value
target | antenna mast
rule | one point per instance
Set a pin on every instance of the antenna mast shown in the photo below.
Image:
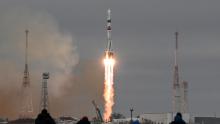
(176, 84)
(26, 96)
(26, 48)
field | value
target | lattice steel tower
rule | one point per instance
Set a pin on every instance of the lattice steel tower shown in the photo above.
(176, 82)
(26, 96)
(184, 97)
(44, 94)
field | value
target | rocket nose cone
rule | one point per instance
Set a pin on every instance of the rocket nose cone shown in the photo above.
(109, 11)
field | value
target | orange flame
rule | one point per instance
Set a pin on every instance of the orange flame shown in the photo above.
(109, 63)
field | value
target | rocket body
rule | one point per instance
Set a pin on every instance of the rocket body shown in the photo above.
(109, 31)
(109, 51)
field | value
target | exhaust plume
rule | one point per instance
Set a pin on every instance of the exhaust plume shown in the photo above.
(108, 86)
(50, 50)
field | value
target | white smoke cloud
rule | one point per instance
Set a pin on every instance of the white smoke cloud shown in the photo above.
(50, 50)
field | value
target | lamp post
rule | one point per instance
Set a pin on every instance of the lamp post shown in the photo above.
(131, 110)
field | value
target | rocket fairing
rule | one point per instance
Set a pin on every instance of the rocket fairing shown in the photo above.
(109, 20)
(109, 51)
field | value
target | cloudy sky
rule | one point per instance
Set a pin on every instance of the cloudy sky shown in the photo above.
(143, 40)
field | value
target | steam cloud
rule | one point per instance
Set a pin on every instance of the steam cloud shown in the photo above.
(50, 50)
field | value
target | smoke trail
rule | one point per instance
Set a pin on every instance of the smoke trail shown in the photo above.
(50, 50)
(108, 86)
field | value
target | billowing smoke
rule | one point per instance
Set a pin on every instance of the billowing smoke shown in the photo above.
(50, 50)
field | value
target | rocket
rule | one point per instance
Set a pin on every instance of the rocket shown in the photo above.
(109, 63)
(109, 51)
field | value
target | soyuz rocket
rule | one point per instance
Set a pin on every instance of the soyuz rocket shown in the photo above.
(109, 51)
(109, 72)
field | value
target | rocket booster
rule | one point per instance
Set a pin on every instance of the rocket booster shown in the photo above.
(109, 50)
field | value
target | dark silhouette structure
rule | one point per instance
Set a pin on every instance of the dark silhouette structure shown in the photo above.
(178, 119)
(22, 121)
(84, 120)
(44, 118)
(207, 120)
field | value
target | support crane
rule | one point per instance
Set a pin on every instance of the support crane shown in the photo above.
(98, 112)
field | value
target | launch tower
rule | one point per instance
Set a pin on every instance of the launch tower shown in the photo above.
(184, 97)
(176, 83)
(26, 96)
(44, 93)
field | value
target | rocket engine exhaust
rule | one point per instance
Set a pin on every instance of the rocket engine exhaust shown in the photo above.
(109, 63)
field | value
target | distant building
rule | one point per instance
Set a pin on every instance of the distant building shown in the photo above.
(67, 120)
(207, 120)
(3, 121)
(22, 121)
(124, 120)
(161, 118)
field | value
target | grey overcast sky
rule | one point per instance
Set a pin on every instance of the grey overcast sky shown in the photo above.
(143, 40)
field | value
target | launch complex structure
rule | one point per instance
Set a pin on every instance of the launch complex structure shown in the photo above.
(26, 110)
(44, 104)
(180, 89)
